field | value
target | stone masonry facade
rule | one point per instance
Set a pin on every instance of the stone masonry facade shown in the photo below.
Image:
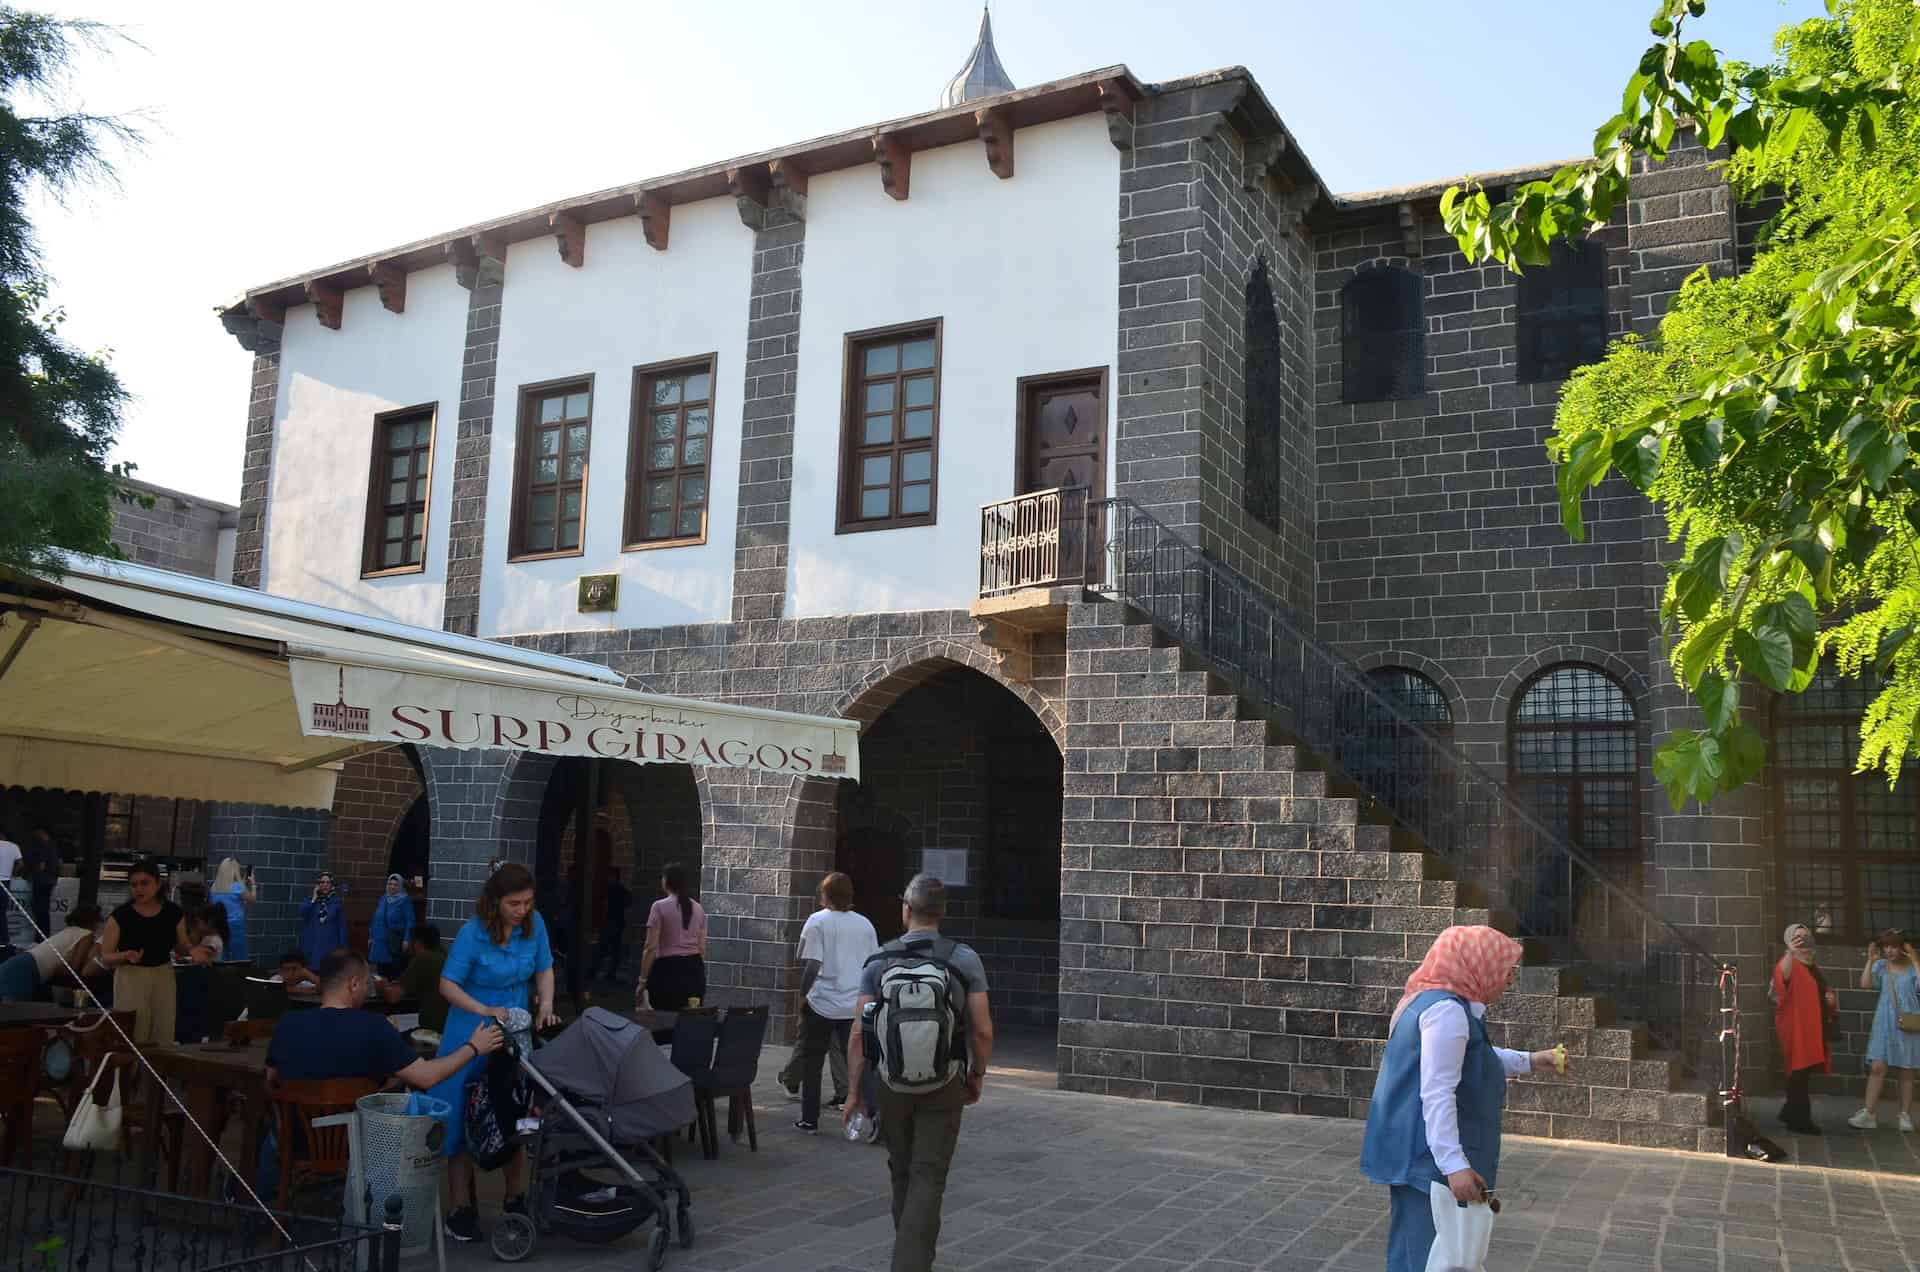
(473, 450)
(180, 532)
(1199, 203)
(766, 439)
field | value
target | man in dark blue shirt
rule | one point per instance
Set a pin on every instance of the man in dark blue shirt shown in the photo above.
(341, 1039)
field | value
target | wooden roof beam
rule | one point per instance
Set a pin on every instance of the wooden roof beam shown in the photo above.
(391, 280)
(328, 303)
(996, 134)
(656, 218)
(570, 235)
(894, 153)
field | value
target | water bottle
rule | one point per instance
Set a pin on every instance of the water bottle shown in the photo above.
(857, 1127)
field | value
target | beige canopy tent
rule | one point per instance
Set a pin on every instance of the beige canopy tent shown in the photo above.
(140, 681)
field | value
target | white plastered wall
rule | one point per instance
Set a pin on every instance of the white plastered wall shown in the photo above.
(332, 384)
(628, 306)
(1024, 274)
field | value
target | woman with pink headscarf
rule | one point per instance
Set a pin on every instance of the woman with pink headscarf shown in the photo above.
(1435, 1112)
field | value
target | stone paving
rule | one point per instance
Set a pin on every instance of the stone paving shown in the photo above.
(1079, 1183)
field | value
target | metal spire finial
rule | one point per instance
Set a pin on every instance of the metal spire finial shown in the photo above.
(981, 75)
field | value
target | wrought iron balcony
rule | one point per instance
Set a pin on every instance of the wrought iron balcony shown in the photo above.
(1035, 542)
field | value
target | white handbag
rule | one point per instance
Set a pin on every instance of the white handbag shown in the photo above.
(96, 1127)
(1460, 1233)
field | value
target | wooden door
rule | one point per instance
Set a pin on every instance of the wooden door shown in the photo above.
(1063, 444)
(876, 862)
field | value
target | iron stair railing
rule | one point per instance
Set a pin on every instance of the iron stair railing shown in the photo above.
(1559, 896)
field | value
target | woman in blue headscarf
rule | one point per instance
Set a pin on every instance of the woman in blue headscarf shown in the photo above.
(392, 924)
(323, 922)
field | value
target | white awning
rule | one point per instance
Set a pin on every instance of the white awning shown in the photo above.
(139, 681)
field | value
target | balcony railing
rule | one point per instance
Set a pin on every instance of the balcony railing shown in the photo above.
(1038, 540)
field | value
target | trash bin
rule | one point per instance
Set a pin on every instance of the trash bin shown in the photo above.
(395, 1147)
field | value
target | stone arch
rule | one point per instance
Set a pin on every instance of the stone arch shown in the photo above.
(884, 685)
(1522, 672)
(1439, 675)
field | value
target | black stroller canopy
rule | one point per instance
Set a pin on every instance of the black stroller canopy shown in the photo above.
(609, 1061)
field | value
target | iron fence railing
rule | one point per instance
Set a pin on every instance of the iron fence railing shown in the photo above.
(49, 1223)
(1036, 540)
(1560, 897)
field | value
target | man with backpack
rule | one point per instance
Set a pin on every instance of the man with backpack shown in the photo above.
(933, 1036)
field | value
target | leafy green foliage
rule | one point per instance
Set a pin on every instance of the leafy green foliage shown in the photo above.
(59, 407)
(1775, 421)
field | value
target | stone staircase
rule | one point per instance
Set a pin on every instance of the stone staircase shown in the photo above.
(1264, 925)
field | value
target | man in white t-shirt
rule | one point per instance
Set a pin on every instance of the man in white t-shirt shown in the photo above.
(834, 946)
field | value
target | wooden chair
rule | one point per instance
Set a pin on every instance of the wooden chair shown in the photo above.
(310, 1152)
(736, 1063)
(695, 1031)
(20, 1051)
(241, 1032)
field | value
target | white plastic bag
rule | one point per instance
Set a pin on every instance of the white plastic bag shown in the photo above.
(95, 1128)
(1460, 1233)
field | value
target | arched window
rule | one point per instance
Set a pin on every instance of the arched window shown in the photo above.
(1391, 762)
(1416, 695)
(1382, 345)
(1261, 479)
(1563, 311)
(1849, 848)
(1573, 761)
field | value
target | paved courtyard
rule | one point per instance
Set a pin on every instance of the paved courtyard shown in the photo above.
(1078, 1183)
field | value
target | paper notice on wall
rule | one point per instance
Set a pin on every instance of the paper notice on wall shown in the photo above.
(948, 865)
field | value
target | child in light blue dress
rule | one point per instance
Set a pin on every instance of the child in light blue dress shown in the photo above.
(1892, 970)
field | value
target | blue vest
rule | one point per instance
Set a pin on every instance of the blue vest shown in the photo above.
(1395, 1150)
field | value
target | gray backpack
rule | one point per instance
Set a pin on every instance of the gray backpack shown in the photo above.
(921, 1017)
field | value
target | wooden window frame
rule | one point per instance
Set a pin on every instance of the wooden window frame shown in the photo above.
(377, 482)
(852, 417)
(523, 468)
(633, 516)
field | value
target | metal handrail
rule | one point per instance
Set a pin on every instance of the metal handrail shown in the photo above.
(1034, 540)
(1560, 896)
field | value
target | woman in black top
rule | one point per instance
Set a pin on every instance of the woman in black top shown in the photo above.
(141, 939)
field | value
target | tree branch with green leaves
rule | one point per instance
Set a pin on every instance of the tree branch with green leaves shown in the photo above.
(1776, 420)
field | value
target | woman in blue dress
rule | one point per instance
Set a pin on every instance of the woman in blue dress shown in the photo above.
(392, 924)
(1435, 1113)
(323, 922)
(500, 960)
(1890, 969)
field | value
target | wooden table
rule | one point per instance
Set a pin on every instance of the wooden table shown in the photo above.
(22, 1015)
(204, 1075)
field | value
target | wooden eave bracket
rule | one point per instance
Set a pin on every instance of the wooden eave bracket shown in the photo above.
(789, 187)
(570, 236)
(328, 302)
(478, 261)
(256, 324)
(996, 134)
(391, 281)
(1117, 106)
(750, 188)
(1410, 236)
(656, 218)
(895, 156)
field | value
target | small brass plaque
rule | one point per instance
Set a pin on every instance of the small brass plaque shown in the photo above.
(599, 593)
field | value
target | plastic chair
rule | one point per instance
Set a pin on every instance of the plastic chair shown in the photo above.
(241, 1032)
(20, 1051)
(695, 1031)
(308, 1151)
(736, 1064)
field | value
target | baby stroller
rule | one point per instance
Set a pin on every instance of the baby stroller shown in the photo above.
(628, 1092)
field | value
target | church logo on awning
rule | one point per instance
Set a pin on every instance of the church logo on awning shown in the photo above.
(338, 717)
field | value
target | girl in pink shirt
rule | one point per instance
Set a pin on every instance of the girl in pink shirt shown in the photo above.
(673, 967)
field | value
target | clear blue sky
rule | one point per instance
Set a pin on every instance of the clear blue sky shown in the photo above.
(285, 137)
